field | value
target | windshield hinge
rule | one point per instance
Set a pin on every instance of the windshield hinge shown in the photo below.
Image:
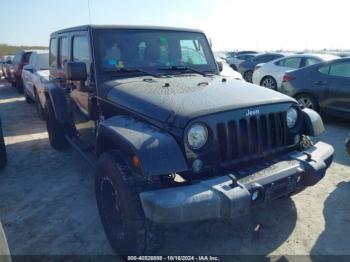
(171, 118)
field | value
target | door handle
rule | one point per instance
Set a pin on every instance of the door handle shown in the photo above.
(320, 82)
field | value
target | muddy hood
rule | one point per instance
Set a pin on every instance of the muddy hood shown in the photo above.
(182, 98)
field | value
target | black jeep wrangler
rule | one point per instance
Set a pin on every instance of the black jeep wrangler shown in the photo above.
(172, 140)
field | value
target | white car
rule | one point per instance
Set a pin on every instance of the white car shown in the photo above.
(227, 71)
(271, 74)
(35, 76)
(234, 61)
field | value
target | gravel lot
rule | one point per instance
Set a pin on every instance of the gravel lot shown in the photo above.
(47, 203)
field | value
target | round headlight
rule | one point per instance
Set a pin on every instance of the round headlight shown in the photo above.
(292, 117)
(197, 136)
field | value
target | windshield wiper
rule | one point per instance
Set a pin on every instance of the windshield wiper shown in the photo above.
(183, 68)
(133, 70)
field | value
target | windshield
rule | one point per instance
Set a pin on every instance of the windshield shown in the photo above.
(152, 50)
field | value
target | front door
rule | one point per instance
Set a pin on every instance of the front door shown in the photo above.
(80, 94)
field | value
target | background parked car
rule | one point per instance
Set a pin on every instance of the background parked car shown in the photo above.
(271, 74)
(324, 87)
(246, 68)
(7, 65)
(227, 71)
(3, 156)
(35, 76)
(2, 62)
(234, 61)
(20, 60)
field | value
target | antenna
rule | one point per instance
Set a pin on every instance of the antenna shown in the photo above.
(89, 11)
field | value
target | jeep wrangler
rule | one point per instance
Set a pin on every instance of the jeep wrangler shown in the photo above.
(172, 141)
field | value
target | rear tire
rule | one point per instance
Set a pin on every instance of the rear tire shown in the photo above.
(3, 154)
(19, 86)
(117, 190)
(29, 100)
(55, 130)
(39, 109)
(248, 76)
(269, 82)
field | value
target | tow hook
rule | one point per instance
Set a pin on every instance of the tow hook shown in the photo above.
(309, 157)
(233, 179)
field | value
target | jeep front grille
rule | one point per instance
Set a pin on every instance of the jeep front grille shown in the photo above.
(252, 136)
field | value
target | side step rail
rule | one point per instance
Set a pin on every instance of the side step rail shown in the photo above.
(85, 155)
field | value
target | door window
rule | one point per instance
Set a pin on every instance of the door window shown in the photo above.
(63, 52)
(324, 69)
(81, 51)
(311, 61)
(293, 62)
(192, 52)
(340, 69)
(53, 53)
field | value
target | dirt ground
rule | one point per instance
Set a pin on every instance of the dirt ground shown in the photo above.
(47, 203)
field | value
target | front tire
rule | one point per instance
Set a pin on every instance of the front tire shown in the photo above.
(117, 190)
(248, 76)
(55, 130)
(307, 101)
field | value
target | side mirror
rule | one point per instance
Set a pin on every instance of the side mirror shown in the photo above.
(220, 65)
(76, 71)
(28, 68)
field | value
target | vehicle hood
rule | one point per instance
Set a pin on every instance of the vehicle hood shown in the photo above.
(181, 98)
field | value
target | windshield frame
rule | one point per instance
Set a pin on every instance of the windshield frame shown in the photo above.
(101, 70)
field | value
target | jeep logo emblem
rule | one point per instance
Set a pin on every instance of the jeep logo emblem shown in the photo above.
(253, 112)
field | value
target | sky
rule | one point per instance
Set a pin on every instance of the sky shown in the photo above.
(230, 24)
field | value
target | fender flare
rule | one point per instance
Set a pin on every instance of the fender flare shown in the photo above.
(59, 102)
(158, 151)
(313, 124)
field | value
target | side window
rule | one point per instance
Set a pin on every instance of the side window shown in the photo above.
(311, 61)
(81, 52)
(340, 69)
(63, 52)
(192, 52)
(324, 69)
(32, 60)
(17, 57)
(263, 59)
(53, 53)
(293, 62)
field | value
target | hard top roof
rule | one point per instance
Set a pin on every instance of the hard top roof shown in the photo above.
(136, 27)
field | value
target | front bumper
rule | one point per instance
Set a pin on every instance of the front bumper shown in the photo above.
(221, 197)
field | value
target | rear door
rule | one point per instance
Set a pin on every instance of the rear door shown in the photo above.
(339, 86)
(28, 76)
